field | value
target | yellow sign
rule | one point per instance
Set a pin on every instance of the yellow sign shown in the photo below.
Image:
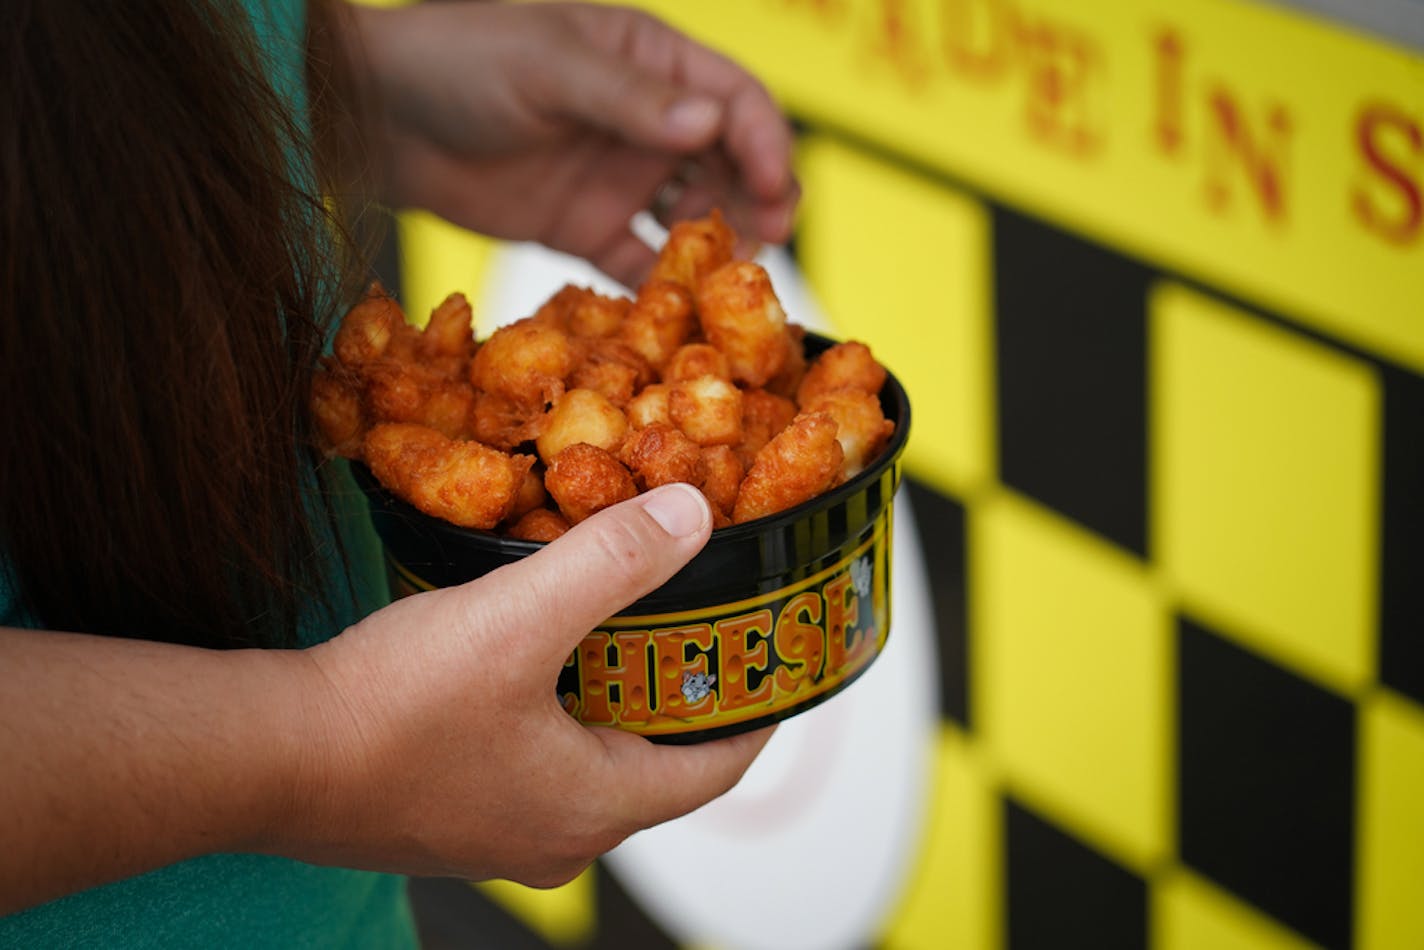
(1259, 150)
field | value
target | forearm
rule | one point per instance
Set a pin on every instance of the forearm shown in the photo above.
(365, 59)
(387, 59)
(121, 756)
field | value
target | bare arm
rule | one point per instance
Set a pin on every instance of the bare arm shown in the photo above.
(427, 739)
(118, 756)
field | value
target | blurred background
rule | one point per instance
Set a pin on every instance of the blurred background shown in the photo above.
(1153, 274)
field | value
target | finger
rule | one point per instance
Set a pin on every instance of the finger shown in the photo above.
(716, 186)
(755, 132)
(758, 138)
(600, 89)
(755, 144)
(656, 783)
(604, 191)
(774, 221)
(652, 85)
(540, 607)
(662, 89)
(707, 181)
(698, 200)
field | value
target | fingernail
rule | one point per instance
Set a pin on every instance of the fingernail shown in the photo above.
(694, 114)
(679, 509)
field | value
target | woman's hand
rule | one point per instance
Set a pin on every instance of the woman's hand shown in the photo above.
(451, 754)
(425, 739)
(558, 122)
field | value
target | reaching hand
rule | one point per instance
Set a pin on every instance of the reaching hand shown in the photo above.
(558, 122)
(452, 753)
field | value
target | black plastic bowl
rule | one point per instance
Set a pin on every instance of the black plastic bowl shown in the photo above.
(771, 618)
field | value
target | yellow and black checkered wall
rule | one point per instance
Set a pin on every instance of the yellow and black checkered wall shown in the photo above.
(1153, 274)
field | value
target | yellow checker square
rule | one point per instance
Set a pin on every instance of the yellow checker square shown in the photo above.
(564, 916)
(1265, 495)
(1189, 913)
(1071, 661)
(954, 889)
(437, 258)
(1390, 855)
(902, 263)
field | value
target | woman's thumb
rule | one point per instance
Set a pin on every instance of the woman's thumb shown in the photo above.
(598, 568)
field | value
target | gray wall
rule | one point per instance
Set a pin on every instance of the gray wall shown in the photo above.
(1401, 21)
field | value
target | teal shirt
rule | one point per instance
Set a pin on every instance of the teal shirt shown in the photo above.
(243, 900)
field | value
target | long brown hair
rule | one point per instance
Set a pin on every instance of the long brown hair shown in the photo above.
(168, 277)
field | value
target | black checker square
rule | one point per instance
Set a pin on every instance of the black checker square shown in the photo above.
(621, 922)
(1063, 894)
(1072, 376)
(1402, 527)
(939, 522)
(1266, 784)
(451, 914)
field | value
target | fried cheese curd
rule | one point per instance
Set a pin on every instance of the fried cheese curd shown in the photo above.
(584, 479)
(693, 250)
(861, 428)
(661, 455)
(525, 362)
(799, 463)
(698, 378)
(465, 482)
(581, 415)
(742, 317)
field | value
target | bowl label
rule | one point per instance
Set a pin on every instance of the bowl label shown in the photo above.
(761, 658)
